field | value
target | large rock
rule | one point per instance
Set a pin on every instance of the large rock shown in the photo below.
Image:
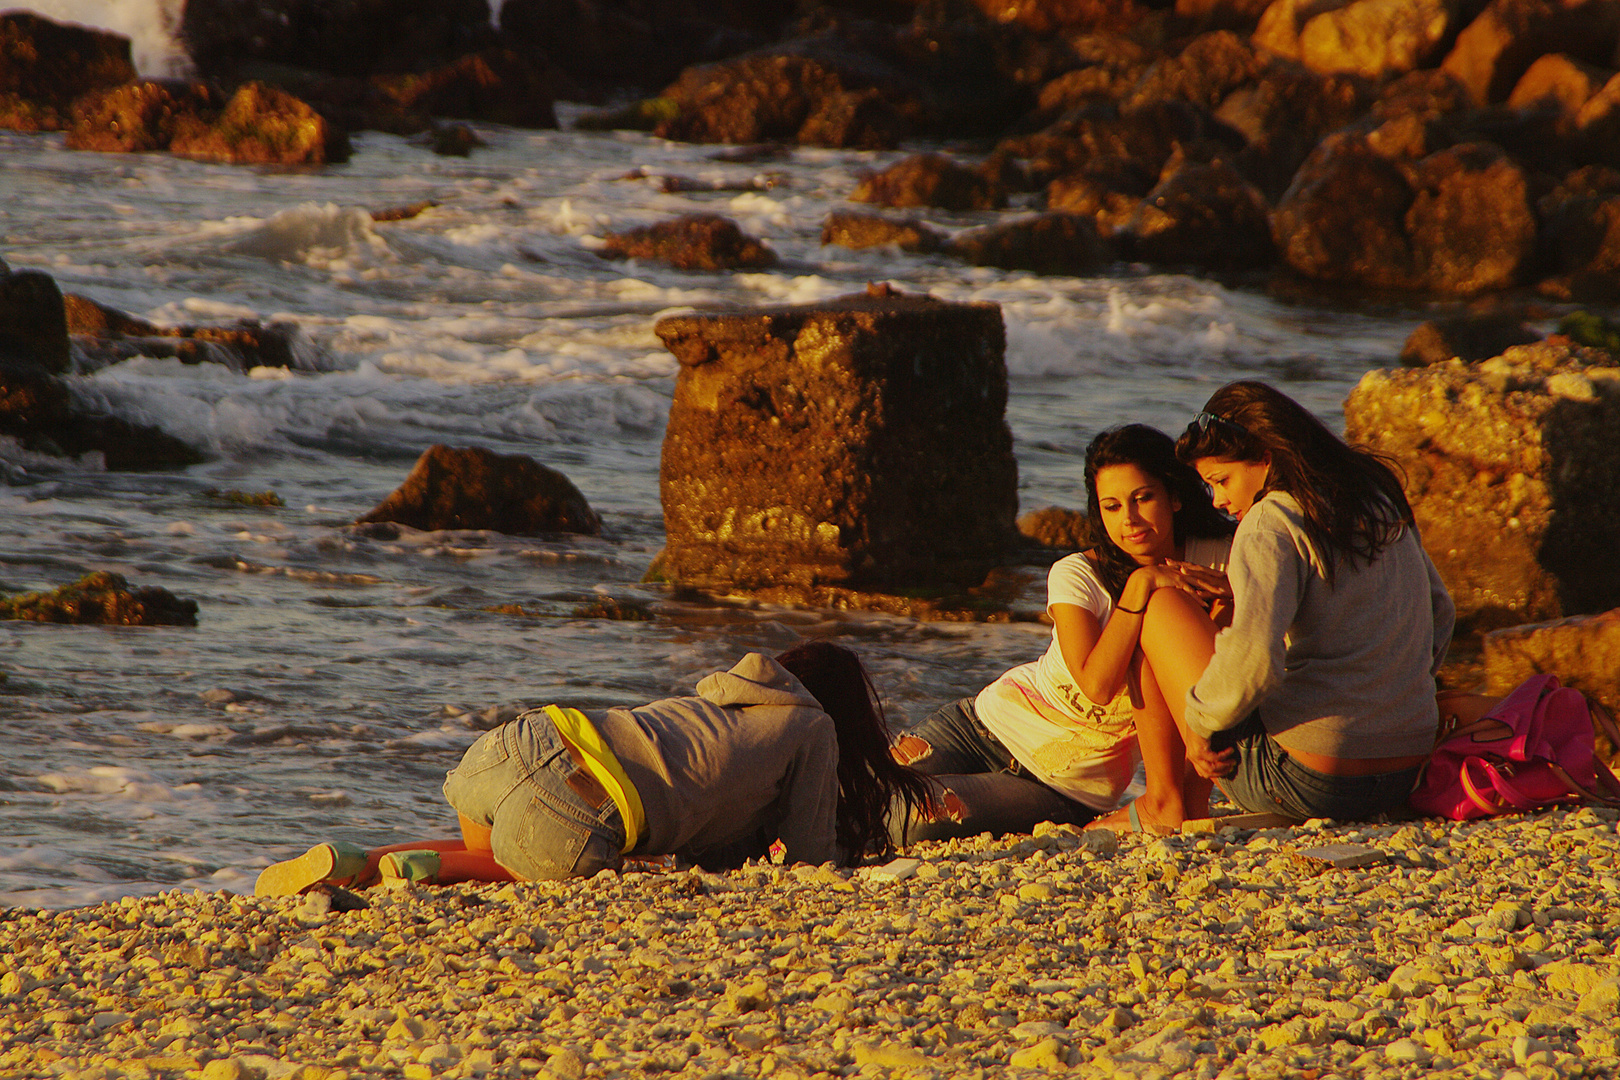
(930, 180)
(103, 335)
(1204, 73)
(859, 443)
(1047, 17)
(341, 37)
(1580, 236)
(1102, 135)
(475, 488)
(101, 599)
(1469, 337)
(691, 242)
(33, 322)
(1498, 47)
(1455, 223)
(848, 228)
(261, 125)
(1283, 116)
(1205, 215)
(1050, 243)
(45, 66)
(1513, 470)
(498, 86)
(1375, 38)
(1582, 650)
(141, 116)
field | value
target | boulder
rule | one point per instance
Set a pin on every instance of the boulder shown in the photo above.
(1494, 51)
(1204, 73)
(340, 37)
(691, 242)
(1582, 650)
(858, 443)
(1561, 81)
(33, 322)
(1048, 17)
(1106, 191)
(1375, 38)
(788, 98)
(850, 229)
(930, 180)
(1456, 223)
(1240, 15)
(1056, 527)
(1513, 470)
(103, 599)
(261, 125)
(1205, 215)
(497, 86)
(1103, 135)
(1283, 116)
(1580, 236)
(102, 335)
(45, 66)
(1597, 125)
(141, 116)
(1087, 85)
(1050, 243)
(475, 488)
(1467, 337)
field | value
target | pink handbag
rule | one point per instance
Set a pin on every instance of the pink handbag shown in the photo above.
(1535, 748)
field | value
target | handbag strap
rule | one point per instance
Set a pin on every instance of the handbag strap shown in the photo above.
(1476, 794)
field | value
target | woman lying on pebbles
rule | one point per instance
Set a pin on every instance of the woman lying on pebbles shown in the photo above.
(793, 749)
(1053, 740)
(1319, 699)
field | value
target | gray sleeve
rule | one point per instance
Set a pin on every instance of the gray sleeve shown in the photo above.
(1268, 572)
(809, 793)
(1445, 612)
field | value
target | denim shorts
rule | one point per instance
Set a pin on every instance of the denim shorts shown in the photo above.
(548, 818)
(1269, 781)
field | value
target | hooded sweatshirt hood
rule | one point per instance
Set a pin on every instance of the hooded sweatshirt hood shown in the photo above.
(756, 679)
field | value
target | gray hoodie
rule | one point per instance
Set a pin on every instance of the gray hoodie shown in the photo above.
(751, 759)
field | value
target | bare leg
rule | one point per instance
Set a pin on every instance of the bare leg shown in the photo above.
(1177, 641)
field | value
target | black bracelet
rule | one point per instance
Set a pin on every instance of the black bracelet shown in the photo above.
(1132, 611)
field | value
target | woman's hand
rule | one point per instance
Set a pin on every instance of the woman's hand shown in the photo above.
(1208, 762)
(1208, 585)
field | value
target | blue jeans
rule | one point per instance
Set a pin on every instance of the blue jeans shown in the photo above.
(1268, 781)
(548, 817)
(978, 782)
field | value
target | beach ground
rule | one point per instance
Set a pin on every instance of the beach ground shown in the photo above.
(1472, 950)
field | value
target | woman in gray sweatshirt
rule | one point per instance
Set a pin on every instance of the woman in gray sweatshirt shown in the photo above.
(792, 750)
(1319, 699)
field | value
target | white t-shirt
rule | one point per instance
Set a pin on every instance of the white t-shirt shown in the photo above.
(1076, 746)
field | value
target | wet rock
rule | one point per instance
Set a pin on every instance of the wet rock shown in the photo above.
(1106, 191)
(788, 98)
(1240, 15)
(262, 125)
(861, 442)
(46, 65)
(1206, 216)
(33, 321)
(449, 140)
(1055, 527)
(1468, 337)
(1283, 116)
(497, 86)
(141, 116)
(1580, 236)
(474, 488)
(341, 37)
(1562, 81)
(930, 180)
(1597, 125)
(1104, 81)
(1047, 17)
(1457, 222)
(691, 242)
(103, 599)
(850, 229)
(1050, 243)
(1582, 650)
(102, 335)
(1494, 51)
(1512, 470)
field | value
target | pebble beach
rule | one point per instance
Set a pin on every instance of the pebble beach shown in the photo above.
(1483, 949)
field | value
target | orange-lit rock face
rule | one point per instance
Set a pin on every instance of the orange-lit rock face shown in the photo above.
(860, 442)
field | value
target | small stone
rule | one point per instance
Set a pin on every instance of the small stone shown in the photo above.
(567, 1064)
(889, 1056)
(1099, 841)
(1036, 890)
(747, 997)
(1047, 1054)
(1525, 1047)
(1408, 1051)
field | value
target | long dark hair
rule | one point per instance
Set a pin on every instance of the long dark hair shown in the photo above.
(869, 780)
(1351, 496)
(1154, 452)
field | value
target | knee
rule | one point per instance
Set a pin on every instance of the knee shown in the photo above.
(910, 749)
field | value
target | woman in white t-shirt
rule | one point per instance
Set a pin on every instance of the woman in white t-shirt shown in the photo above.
(1054, 740)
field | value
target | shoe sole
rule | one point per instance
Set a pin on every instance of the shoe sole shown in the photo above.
(293, 876)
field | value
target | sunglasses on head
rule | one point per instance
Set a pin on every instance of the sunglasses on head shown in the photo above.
(1205, 420)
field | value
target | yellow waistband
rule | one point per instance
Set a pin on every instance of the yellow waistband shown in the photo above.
(577, 728)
